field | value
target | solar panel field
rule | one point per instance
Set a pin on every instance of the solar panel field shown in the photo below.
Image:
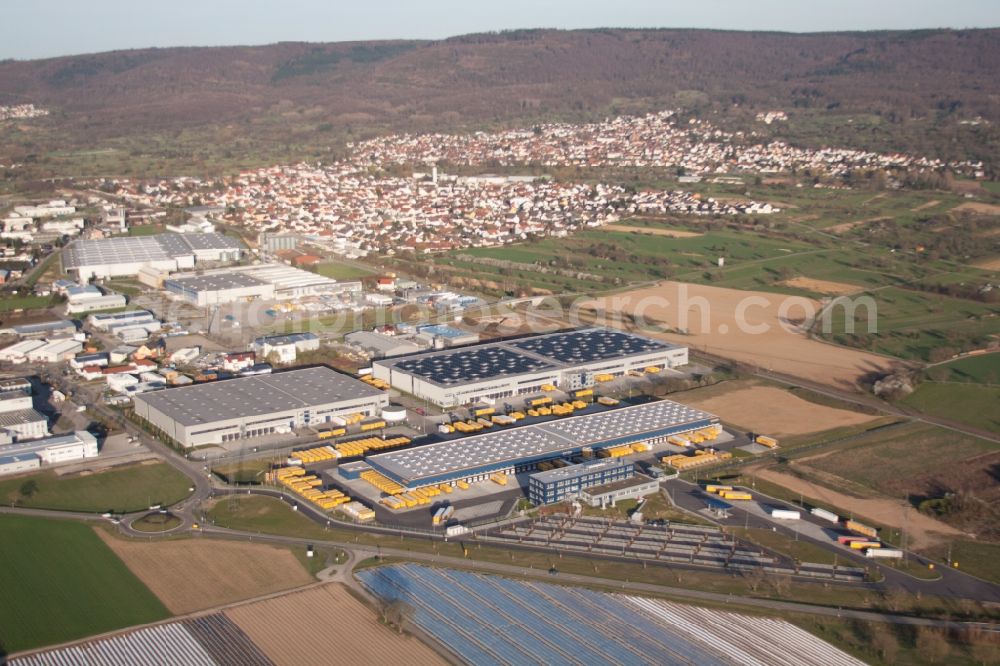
(494, 620)
(59, 582)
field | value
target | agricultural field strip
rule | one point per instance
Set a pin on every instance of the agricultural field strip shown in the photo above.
(151, 646)
(310, 625)
(533, 622)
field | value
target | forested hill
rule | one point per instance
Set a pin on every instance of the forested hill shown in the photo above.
(482, 79)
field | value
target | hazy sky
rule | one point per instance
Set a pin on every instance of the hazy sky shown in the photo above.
(43, 28)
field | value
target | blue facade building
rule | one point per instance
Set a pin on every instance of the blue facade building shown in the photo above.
(557, 484)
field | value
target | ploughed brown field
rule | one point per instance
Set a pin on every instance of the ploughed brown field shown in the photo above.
(194, 574)
(325, 624)
(786, 414)
(771, 337)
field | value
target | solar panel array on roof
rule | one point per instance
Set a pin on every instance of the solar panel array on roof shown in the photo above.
(534, 354)
(257, 395)
(588, 345)
(536, 440)
(467, 365)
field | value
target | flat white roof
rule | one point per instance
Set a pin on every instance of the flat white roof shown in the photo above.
(551, 437)
(257, 395)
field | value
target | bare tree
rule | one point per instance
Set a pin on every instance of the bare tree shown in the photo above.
(397, 614)
(933, 645)
(885, 644)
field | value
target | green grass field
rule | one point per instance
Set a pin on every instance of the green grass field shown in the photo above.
(10, 303)
(339, 271)
(913, 324)
(803, 551)
(122, 490)
(978, 406)
(248, 471)
(974, 557)
(145, 229)
(61, 582)
(909, 451)
(984, 369)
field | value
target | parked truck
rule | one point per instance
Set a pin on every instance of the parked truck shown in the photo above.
(887, 553)
(442, 514)
(825, 515)
(785, 514)
(861, 528)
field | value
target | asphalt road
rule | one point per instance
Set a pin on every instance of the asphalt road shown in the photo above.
(952, 583)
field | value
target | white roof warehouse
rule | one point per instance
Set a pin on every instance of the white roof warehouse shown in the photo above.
(232, 409)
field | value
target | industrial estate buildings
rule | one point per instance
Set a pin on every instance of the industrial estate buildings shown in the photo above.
(127, 255)
(476, 457)
(26, 456)
(251, 406)
(262, 282)
(569, 360)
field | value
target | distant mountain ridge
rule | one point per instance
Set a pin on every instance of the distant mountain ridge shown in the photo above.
(492, 78)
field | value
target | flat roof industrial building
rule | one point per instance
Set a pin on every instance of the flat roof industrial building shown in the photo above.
(232, 409)
(520, 449)
(26, 456)
(126, 255)
(264, 282)
(569, 359)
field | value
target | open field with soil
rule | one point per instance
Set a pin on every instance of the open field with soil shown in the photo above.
(786, 414)
(339, 271)
(196, 573)
(822, 286)
(652, 231)
(923, 531)
(300, 627)
(979, 207)
(992, 264)
(772, 336)
(59, 582)
(121, 490)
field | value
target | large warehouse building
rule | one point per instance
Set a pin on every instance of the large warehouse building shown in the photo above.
(475, 458)
(569, 360)
(264, 282)
(127, 255)
(252, 406)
